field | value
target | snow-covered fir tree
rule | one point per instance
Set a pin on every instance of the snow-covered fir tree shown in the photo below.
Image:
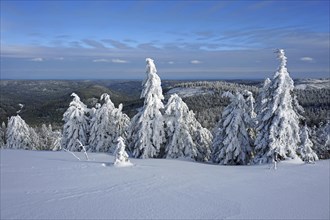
(44, 135)
(121, 156)
(263, 97)
(232, 143)
(75, 125)
(305, 150)
(93, 127)
(186, 138)
(278, 123)
(100, 136)
(3, 137)
(146, 134)
(18, 134)
(35, 139)
(107, 124)
(250, 103)
(56, 140)
(120, 123)
(320, 136)
(49, 139)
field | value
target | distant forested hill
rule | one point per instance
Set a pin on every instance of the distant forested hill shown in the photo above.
(45, 101)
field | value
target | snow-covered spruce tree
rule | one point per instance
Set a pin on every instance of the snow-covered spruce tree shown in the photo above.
(107, 124)
(186, 138)
(120, 123)
(3, 137)
(278, 123)
(305, 150)
(44, 136)
(121, 156)
(56, 140)
(49, 139)
(75, 125)
(232, 143)
(100, 136)
(263, 97)
(93, 127)
(320, 137)
(146, 133)
(251, 124)
(18, 134)
(35, 139)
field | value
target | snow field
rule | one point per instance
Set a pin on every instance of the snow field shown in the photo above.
(55, 185)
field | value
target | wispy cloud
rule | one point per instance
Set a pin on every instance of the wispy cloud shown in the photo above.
(147, 46)
(171, 62)
(62, 36)
(37, 59)
(195, 62)
(204, 35)
(117, 44)
(93, 43)
(119, 61)
(307, 59)
(101, 61)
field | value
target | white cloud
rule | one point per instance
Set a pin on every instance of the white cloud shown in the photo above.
(171, 62)
(100, 61)
(195, 62)
(307, 59)
(119, 61)
(59, 58)
(37, 59)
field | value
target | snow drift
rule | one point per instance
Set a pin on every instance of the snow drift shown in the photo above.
(55, 185)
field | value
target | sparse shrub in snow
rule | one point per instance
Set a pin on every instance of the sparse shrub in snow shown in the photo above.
(18, 134)
(3, 137)
(186, 138)
(75, 125)
(278, 123)
(107, 124)
(305, 150)
(146, 133)
(232, 143)
(121, 156)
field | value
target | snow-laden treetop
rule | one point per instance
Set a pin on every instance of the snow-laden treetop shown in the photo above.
(151, 68)
(281, 56)
(152, 84)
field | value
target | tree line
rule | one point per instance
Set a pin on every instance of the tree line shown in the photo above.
(269, 129)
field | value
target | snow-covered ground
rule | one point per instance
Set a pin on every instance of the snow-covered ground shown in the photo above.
(55, 185)
(187, 92)
(312, 84)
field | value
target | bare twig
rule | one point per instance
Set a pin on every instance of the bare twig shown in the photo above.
(71, 153)
(83, 147)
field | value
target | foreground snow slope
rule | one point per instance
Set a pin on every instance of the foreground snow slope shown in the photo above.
(55, 185)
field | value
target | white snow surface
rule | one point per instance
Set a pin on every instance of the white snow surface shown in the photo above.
(188, 92)
(55, 185)
(312, 84)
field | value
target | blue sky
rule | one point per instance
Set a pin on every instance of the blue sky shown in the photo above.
(187, 39)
